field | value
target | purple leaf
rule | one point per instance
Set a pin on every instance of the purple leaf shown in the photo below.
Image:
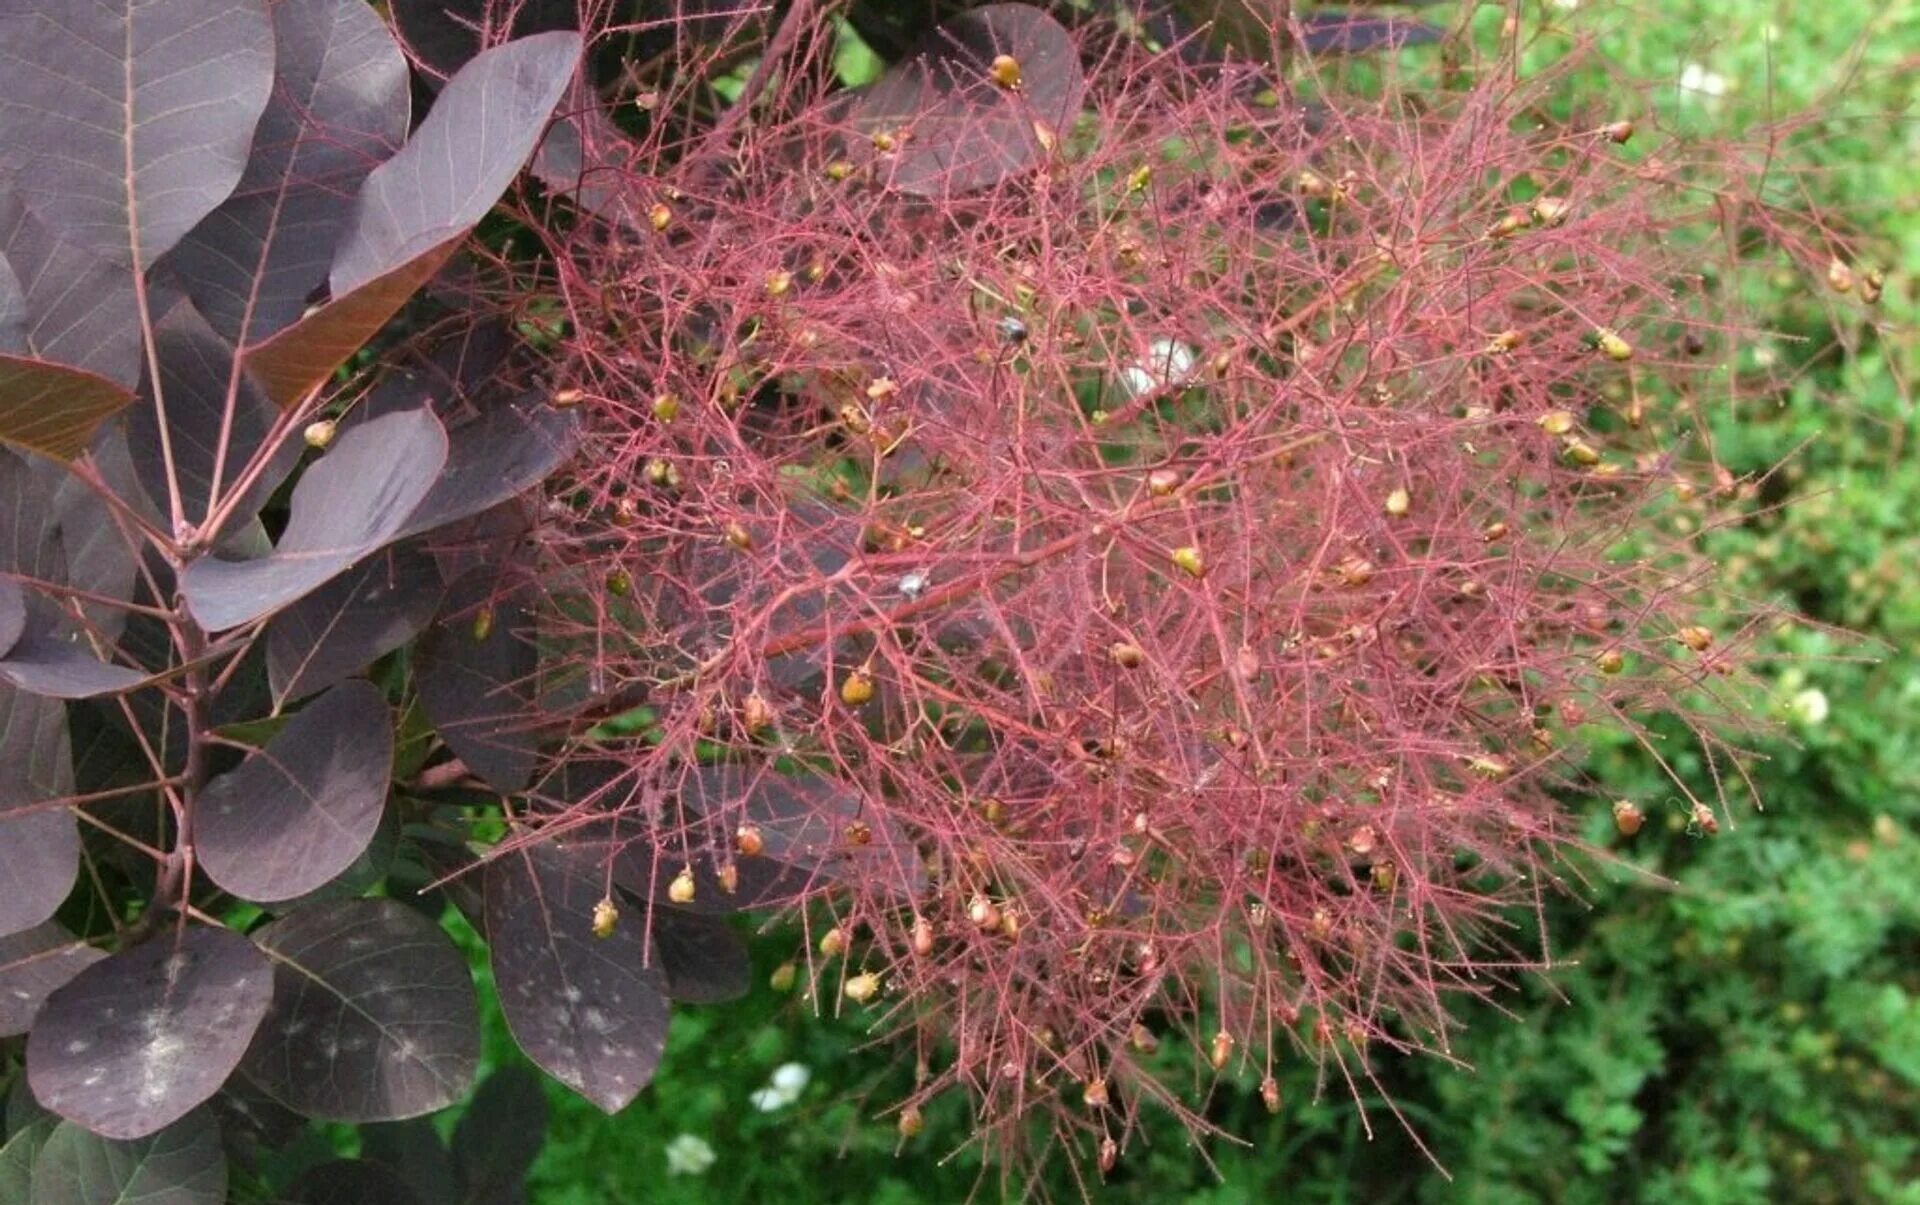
(196, 367)
(134, 1042)
(374, 1016)
(339, 629)
(80, 310)
(957, 128)
(350, 1182)
(183, 1164)
(413, 1151)
(704, 959)
(507, 451)
(100, 559)
(13, 613)
(351, 503)
(340, 105)
(586, 157)
(475, 140)
(804, 822)
(123, 124)
(414, 209)
(476, 670)
(299, 811)
(32, 965)
(39, 849)
(44, 664)
(39, 859)
(585, 1008)
(500, 1134)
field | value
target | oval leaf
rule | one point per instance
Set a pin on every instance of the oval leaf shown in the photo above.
(704, 959)
(54, 409)
(585, 1008)
(123, 124)
(959, 129)
(39, 859)
(139, 1038)
(350, 504)
(32, 965)
(80, 310)
(339, 629)
(183, 1164)
(340, 104)
(500, 1134)
(13, 613)
(374, 1016)
(476, 672)
(299, 811)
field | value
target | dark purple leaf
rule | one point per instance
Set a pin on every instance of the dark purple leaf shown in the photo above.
(585, 1008)
(508, 450)
(348, 505)
(80, 310)
(587, 158)
(339, 629)
(374, 1016)
(183, 1164)
(475, 140)
(134, 1042)
(100, 559)
(957, 128)
(704, 959)
(415, 208)
(123, 124)
(476, 670)
(444, 34)
(1334, 31)
(299, 811)
(39, 859)
(32, 965)
(500, 1134)
(350, 1182)
(44, 664)
(340, 105)
(196, 367)
(39, 850)
(13, 613)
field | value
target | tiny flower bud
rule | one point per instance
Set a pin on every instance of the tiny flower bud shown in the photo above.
(666, 407)
(1489, 767)
(1627, 817)
(756, 713)
(1618, 131)
(833, 942)
(778, 283)
(982, 912)
(1109, 1155)
(881, 389)
(1705, 820)
(1005, 71)
(922, 939)
(482, 624)
(1270, 1094)
(729, 876)
(1612, 346)
(1221, 1050)
(680, 891)
(1095, 1093)
(660, 217)
(1610, 661)
(856, 688)
(1580, 452)
(884, 141)
(605, 916)
(748, 841)
(839, 170)
(1399, 502)
(320, 433)
(1126, 655)
(1494, 532)
(1839, 276)
(911, 1122)
(1698, 639)
(1556, 422)
(1189, 560)
(862, 987)
(738, 536)
(1503, 343)
(1162, 482)
(1551, 211)
(564, 398)
(783, 977)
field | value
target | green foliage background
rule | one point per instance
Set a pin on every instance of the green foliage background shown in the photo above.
(1748, 1032)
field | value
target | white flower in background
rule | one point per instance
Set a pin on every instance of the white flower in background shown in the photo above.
(788, 1081)
(1698, 83)
(1168, 362)
(688, 1155)
(1809, 707)
(1566, 6)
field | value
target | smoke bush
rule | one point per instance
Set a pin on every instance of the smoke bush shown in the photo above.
(1139, 546)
